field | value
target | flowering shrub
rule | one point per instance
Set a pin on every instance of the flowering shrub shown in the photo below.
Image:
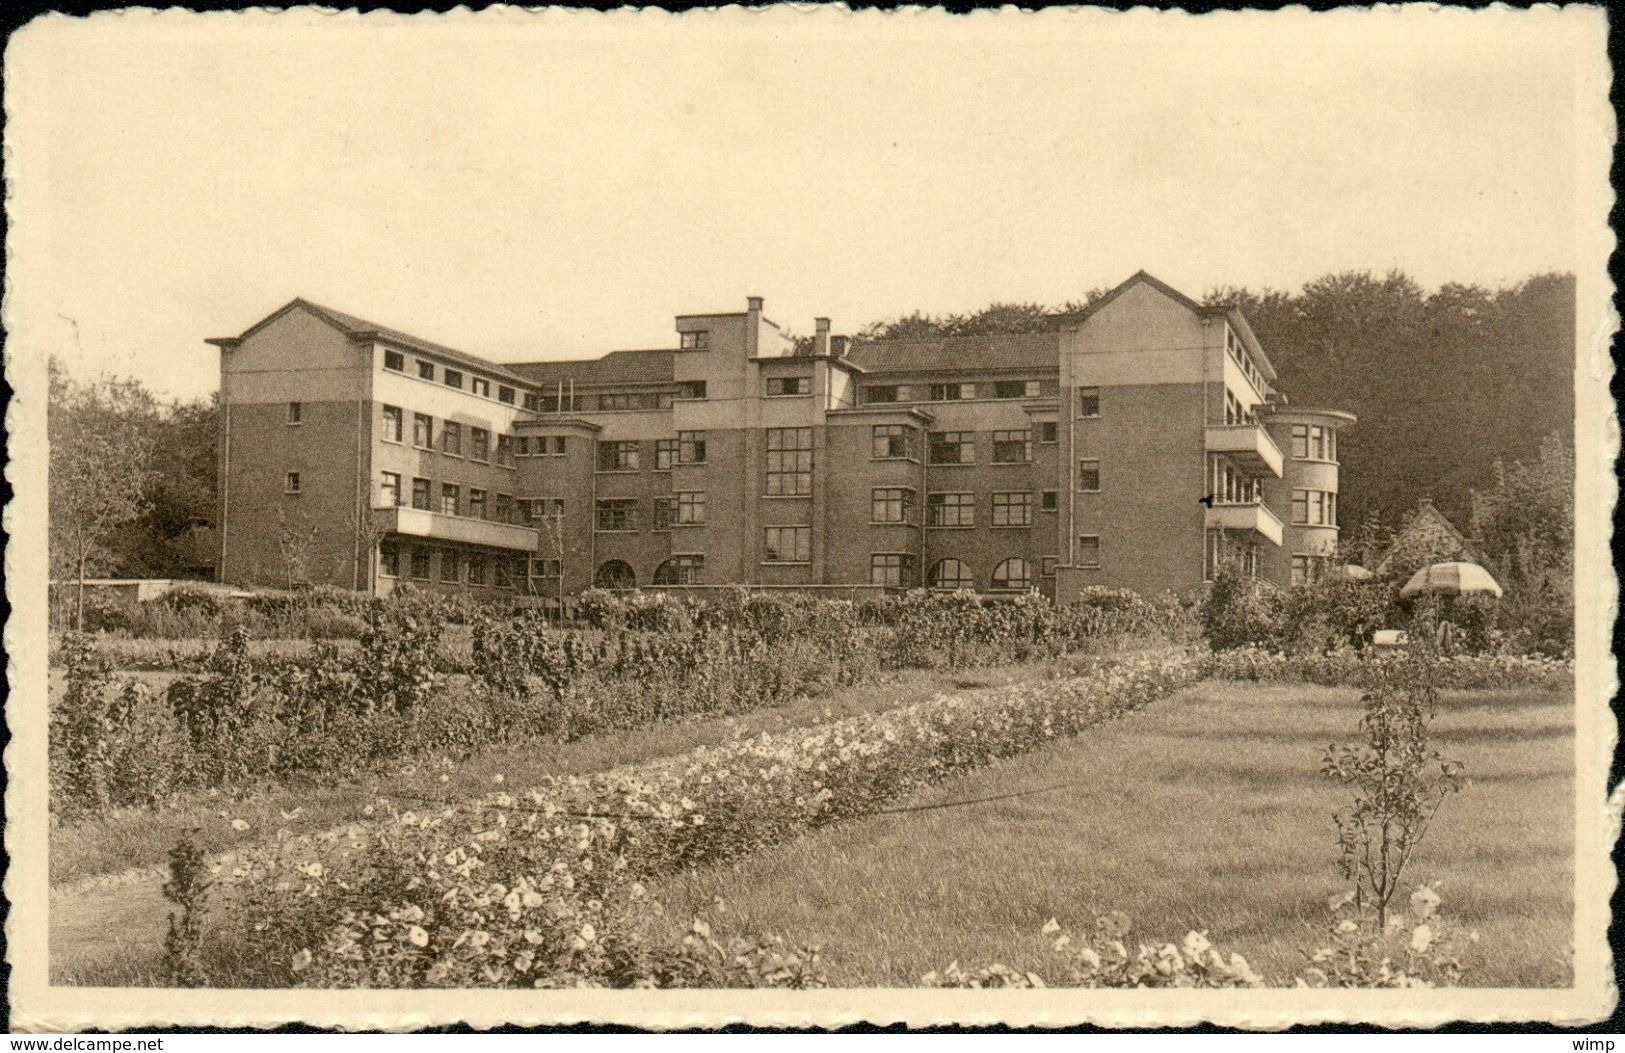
(1364, 668)
(544, 889)
(1102, 959)
(1419, 949)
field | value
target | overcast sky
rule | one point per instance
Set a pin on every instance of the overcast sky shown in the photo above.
(552, 187)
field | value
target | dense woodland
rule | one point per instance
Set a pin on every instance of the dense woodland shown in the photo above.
(1446, 384)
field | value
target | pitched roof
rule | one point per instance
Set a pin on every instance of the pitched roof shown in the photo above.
(617, 367)
(958, 353)
(1428, 518)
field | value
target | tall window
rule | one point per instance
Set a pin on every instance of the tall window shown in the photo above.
(389, 490)
(505, 450)
(665, 454)
(480, 386)
(420, 494)
(952, 447)
(423, 431)
(691, 507)
(480, 441)
(449, 565)
(1307, 568)
(1015, 389)
(892, 569)
(788, 544)
(559, 446)
(1049, 501)
(420, 564)
(952, 392)
(296, 413)
(1089, 476)
(389, 560)
(618, 456)
(789, 461)
(665, 513)
(617, 514)
(893, 442)
(1314, 508)
(476, 503)
(451, 438)
(777, 386)
(681, 570)
(1088, 402)
(1013, 509)
(476, 568)
(1089, 550)
(696, 340)
(1014, 574)
(950, 510)
(292, 483)
(1048, 432)
(450, 498)
(951, 574)
(891, 504)
(1312, 442)
(392, 424)
(503, 512)
(1013, 447)
(691, 447)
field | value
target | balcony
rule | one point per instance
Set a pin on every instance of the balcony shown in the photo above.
(418, 522)
(1249, 445)
(1238, 519)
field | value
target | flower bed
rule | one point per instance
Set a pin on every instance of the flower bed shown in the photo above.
(544, 890)
(1360, 668)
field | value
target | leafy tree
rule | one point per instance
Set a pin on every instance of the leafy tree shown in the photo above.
(100, 470)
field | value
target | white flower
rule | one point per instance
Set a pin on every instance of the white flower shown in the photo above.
(417, 936)
(301, 961)
(1421, 939)
(1347, 927)
(239, 825)
(1425, 902)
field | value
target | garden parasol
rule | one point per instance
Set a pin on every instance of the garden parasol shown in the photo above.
(1452, 579)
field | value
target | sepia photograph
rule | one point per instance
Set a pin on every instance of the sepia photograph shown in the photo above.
(803, 517)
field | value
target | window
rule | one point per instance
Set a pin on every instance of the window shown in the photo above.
(1046, 566)
(1314, 508)
(891, 504)
(1013, 575)
(695, 340)
(296, 412)
(1089, 476)
(691, 507)
(627, 401)
(558, 445)
(893, 442)
(951, 574)
(395, 362)
(1049, 501)
(420, 494)
(480, 387)
(1307, 568)
(1048, 432)
(691, 447)
(691, 389)
(877, 394)
(892, 569)
(665, 454)
(532, 402)
(392, 423)
(1015, 389)
(547, 568)
(453, 378)
(451, 438)
(389, 561)
(476, 568)
(1013, 447)
(951, 447)
(681, 570)
(555, 404)
(618, 456)
(617, 514)
(665, 512)
(789, 386)
(1089, 550)
(476, 503)
(505, 394)
(538, 508)
(480, 440)
(1312, 442)
(389, 490)
(789, 461)
(420, 564)
(505, 450)
(450, 498)
(449, 565)
(423, 431)
(950, 510)
(615, 574)
(291, 484)
(524, 445)
(1229, 486)
(788, 544)
(1088, 402)
(503, 512)
(507, 570)
(1244, 558)
(1236, 411)
(952, 392)
(425, 370)
(1013, 509)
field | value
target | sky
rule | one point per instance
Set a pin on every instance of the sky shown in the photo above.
(527, 186)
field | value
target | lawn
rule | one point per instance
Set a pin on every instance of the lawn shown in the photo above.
(1204, 811)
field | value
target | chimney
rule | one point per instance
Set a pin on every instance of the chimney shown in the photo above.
(754, 304)
(838, 345)
(820, 336)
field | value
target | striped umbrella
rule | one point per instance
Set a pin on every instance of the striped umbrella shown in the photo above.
(1452, 579)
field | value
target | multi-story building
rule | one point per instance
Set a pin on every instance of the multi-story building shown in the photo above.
(1138, 444)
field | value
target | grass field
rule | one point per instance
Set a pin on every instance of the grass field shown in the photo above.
(1204, 811)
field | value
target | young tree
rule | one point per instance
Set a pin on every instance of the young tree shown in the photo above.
(295, 536)
(100, 470)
